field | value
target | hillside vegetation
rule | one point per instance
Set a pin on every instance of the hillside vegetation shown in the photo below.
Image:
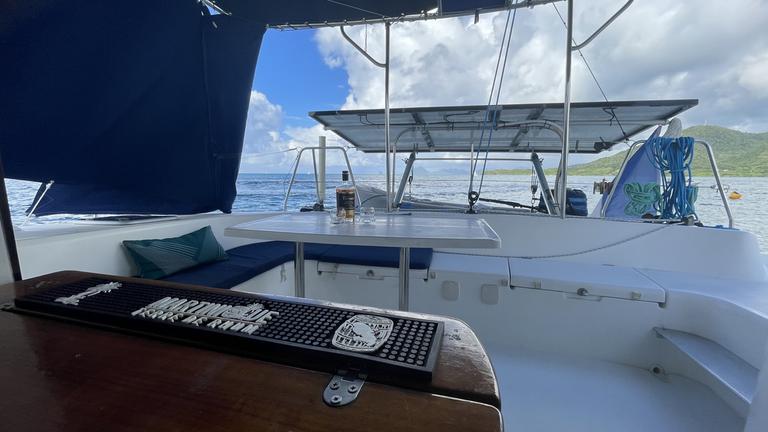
(738, 154)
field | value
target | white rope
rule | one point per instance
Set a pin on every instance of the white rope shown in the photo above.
(270, 153)
(582, 252)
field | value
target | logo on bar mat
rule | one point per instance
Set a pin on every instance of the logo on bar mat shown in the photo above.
(219, 316)
(75, 299)
(362, 333)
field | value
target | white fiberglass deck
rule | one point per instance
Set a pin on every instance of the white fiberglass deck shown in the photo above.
(547, 393)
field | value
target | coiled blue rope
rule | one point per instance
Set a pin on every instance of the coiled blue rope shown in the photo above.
(674, 156)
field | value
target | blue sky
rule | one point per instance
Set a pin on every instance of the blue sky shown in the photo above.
(292, 73)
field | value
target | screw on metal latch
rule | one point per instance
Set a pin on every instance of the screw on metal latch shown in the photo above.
(582, 292)
(343, 389)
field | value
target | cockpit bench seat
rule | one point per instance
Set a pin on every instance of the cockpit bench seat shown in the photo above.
(248, 261)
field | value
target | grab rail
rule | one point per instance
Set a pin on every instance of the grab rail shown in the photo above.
(296, 167)
(712, 164)
(716, 172)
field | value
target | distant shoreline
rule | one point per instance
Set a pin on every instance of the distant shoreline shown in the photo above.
(738, 154)
(576, 172)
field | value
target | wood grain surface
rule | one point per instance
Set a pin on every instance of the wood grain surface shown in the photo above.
(57, 375)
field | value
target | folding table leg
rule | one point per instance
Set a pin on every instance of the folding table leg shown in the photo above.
(405, 265)
(298, 267)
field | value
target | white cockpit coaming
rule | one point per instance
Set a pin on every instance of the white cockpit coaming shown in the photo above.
(574, 298)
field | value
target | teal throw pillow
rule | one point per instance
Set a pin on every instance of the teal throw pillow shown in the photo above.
(157, 258)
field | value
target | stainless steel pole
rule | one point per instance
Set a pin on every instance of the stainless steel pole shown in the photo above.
(404, 179)
(403, 292)
(384, 65)
(563, 185)
(545, 192)
(321, 171)
(716, 173)
(298, 267)
(387, 147)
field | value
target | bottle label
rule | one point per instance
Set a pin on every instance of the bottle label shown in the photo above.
(345, 203)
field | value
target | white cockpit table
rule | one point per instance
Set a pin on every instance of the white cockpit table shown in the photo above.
(401, 230)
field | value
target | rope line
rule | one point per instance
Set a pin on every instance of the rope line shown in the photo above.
(674, 156)
(594, 77)
(498, 96)
(270, 153)
(490, 98)
(473, 196)
(582, 252)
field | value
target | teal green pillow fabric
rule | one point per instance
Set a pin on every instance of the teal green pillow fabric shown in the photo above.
(156, 258)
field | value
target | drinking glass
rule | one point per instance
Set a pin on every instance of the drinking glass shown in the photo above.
(368, 215)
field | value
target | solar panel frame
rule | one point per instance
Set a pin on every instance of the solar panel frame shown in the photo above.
(519, 127)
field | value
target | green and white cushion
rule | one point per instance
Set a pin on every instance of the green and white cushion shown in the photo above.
(157, 258)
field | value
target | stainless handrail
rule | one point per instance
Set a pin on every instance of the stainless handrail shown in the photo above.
(423, 16)
(603, 27)
(296, 168)
(546, 194)
(317, 179)
(404, 180)
(712, 164)
(389, 159)
(716, 173)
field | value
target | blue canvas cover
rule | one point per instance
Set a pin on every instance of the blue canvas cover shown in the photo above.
(460, 6)
(129, 109)
(637, 189)
(138, 107)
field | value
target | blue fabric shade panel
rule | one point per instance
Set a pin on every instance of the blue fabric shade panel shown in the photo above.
(463, 6)
(321, 11)
(138, 108)
(128, 109)
(638, 187)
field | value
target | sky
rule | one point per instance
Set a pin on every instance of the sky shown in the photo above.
(658, 49)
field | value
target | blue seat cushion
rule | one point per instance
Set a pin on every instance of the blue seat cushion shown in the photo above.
(378, 256)
(244, 263)
(222, 274)
(248, 261)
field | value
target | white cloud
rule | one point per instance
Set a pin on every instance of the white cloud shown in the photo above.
(263, 124)
(754, 75)
(263, 144)
(268, 143)
(656, 50)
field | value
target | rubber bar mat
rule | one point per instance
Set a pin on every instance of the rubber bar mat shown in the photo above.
(325, 338)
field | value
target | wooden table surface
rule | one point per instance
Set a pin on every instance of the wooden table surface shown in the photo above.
(57, 375)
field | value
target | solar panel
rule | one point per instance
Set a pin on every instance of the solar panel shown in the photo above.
(595, 126)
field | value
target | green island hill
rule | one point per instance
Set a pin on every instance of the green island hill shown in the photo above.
(738, 154)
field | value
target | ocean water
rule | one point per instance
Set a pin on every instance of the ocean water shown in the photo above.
(265, 192)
